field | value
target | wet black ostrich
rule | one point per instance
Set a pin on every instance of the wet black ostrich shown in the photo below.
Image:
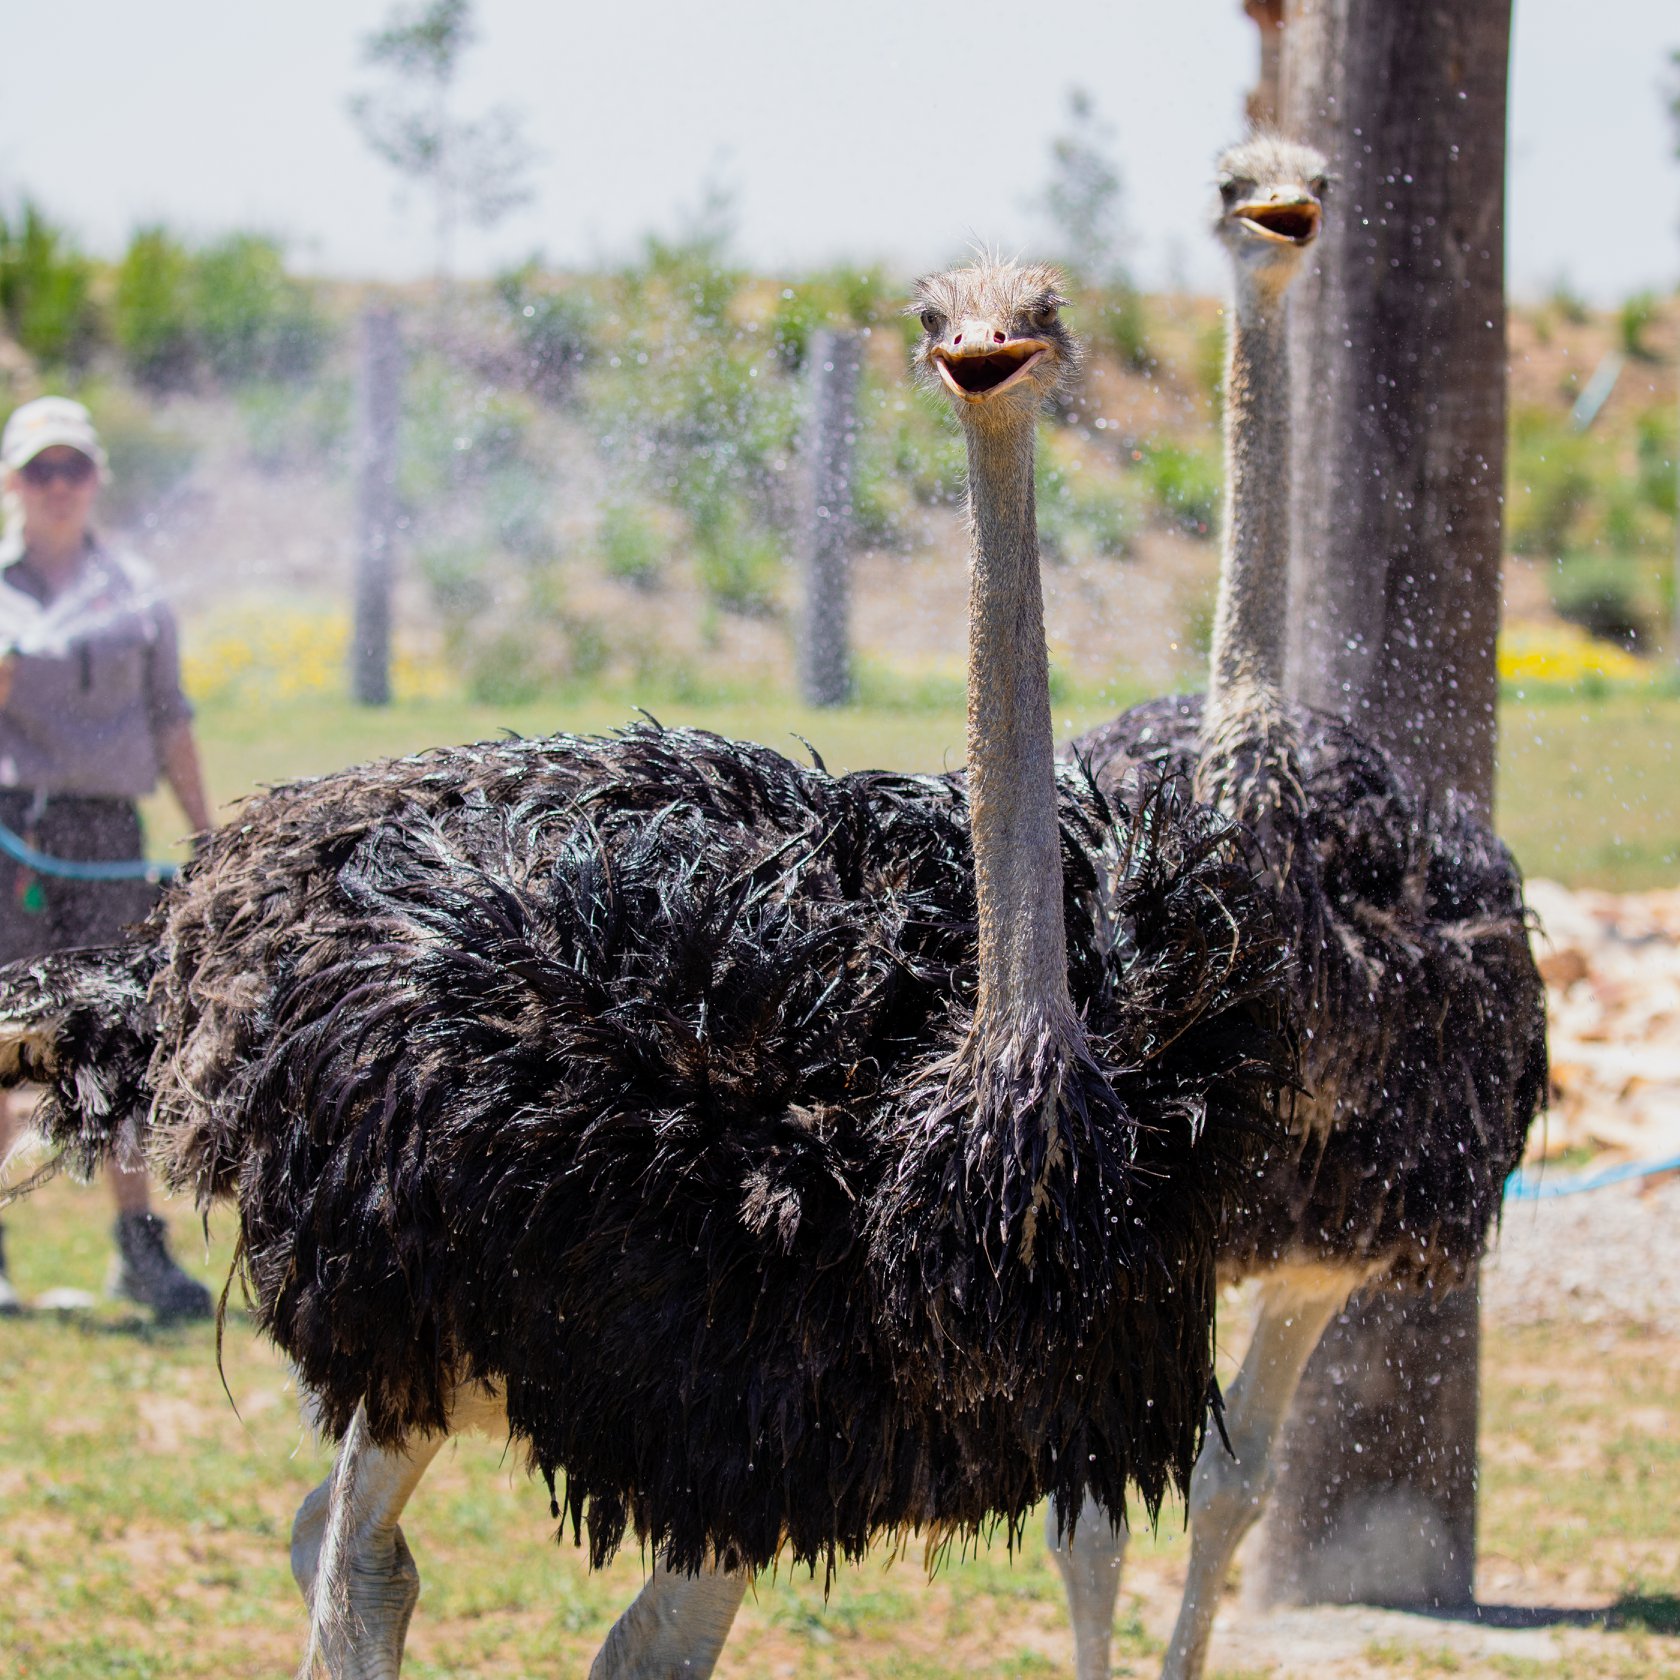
(1422, 1013)
(784, 1159)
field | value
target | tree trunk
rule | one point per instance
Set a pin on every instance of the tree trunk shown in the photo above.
(1262, 102)
(825, 666)
(1398, 340)
(378, 403)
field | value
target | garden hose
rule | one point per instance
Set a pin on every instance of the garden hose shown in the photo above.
(1526, 1186)
(75, 869)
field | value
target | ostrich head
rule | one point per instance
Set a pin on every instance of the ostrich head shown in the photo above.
(1271, 194)
(993, 341)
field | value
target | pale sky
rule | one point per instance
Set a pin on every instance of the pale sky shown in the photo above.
(863, 130)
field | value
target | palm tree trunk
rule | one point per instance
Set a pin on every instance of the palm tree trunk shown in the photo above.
(1398, 344)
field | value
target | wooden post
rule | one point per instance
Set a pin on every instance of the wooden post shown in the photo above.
(378, 404)
(1262, 100)
(825, 676)
(1398, 345)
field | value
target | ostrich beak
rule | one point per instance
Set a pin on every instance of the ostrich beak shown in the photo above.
(988, 369)
(1284, 221)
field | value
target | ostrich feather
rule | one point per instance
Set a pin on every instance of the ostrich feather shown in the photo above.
(597, 1070)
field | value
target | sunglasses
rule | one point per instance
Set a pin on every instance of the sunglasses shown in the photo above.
(73, 469)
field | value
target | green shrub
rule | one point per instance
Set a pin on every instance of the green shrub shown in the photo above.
(252, 319)
(1633, 320)
(838, 297)
(1657, 447)
(1550, 482)
(1103, 509)
(922, 449)
(630, 546)
(554, 331)
(739, 567)
(46, 290)
(1185, 485)
(1607, 595)
(455, 432)
(1120, 326)
(1084, 512)
(152, 317)
(458, 576)
(695, 410)
(1568, 303)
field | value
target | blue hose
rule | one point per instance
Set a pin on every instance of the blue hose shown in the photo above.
(1526, 1186)
(75, 869)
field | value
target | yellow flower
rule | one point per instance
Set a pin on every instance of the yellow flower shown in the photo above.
(1564, 656)
(248, 654)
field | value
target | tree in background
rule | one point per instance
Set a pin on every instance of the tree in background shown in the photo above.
(476, 169)
(46, 294)
(228, 310)
(1083, 202)
(151, 315)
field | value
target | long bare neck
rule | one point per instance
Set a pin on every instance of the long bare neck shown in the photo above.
(1011, 749)
(1250, 623)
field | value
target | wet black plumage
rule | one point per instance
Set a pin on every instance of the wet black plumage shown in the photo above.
(599, 1070)
(1422, 1011)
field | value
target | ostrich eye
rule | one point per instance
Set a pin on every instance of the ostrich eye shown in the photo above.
(1319, 185)
(1230, 190)
(1044, 314)
(933, 323)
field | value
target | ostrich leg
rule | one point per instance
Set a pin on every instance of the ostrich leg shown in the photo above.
(674, 1629)
(349, 1557)
(1228, 1490)
(1089, 1560)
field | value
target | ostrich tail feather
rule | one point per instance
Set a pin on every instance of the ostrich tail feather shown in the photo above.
(78, 1022)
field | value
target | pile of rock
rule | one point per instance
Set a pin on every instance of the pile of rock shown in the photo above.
(1611, 962)
(1607, 1257)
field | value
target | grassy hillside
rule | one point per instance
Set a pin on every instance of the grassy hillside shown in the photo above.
(1589, 787)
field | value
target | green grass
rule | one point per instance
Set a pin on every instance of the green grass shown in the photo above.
(1589, 787)
(144, 1522)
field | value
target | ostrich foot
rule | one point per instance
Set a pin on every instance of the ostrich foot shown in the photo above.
(1089, 1560)
(674, 1629)
(361, 1638)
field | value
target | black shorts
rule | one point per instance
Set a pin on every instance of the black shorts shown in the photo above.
(41, 913)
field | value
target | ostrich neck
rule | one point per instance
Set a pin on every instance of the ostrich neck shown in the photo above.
(1250, 621)
(1011, 749)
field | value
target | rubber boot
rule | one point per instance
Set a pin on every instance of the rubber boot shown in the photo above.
(144, 1271)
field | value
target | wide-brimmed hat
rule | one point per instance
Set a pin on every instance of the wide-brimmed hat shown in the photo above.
(45, 422)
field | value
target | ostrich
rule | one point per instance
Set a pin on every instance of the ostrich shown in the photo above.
(1422, 1013)
(783, 1159)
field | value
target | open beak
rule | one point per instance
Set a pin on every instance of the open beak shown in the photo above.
(1284, 221)
(988, 369)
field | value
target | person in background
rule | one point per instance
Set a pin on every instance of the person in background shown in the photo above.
(91, 713)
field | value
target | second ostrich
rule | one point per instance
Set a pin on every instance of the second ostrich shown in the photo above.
(784, 1159)
(1422, 1012)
